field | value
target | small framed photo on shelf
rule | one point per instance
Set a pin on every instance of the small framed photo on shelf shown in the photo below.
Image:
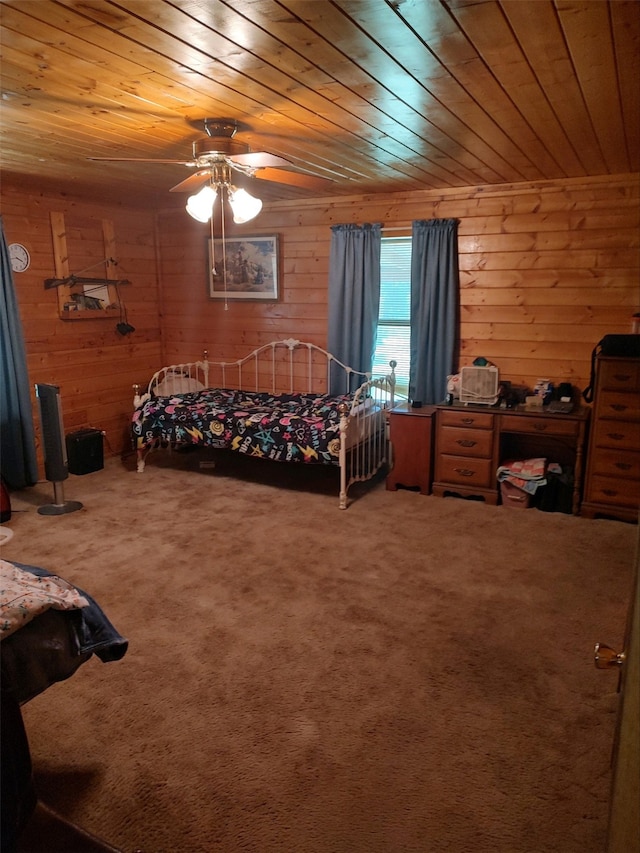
(244, 268)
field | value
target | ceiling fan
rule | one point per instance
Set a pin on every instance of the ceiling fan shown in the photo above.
(219, 154)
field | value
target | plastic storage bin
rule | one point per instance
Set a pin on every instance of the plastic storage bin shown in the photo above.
(513, 496)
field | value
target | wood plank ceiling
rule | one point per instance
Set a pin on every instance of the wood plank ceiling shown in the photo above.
(370, 95)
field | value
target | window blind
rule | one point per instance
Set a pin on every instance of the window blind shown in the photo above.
(394, 319)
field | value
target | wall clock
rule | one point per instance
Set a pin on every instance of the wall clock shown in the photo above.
(20, 258)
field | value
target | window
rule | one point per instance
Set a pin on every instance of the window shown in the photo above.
(394, 321)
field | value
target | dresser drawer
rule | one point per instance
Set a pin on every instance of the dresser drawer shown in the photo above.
(614, 463)
(475, 420)
(540, 425)
(614, 491)
(618, 405)
(465, 442)
(619, 375)
(621, 435)
(465, 471)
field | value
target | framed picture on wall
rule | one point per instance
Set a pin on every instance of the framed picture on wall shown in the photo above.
(244, 268)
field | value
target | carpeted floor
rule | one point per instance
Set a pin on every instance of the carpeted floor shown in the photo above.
(414, 674)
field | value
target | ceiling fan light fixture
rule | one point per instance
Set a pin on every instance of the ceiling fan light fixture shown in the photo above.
(200, 205)
(244, 206)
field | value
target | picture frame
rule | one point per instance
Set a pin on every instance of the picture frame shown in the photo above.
(251, 266)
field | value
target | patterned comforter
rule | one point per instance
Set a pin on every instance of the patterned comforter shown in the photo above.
(281, 427)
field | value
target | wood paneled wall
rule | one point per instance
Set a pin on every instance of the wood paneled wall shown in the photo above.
(546, 270)
(92, 363)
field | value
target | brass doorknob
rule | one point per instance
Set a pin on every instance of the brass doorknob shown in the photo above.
(605, 657)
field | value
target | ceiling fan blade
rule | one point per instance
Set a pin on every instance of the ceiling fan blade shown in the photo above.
(259, 160)
(139, 160)
(294, 179)
(192, 183)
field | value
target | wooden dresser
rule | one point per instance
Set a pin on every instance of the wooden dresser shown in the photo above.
(471, 442)
(612, 485)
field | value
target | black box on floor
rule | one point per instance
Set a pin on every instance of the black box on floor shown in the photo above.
(557, 495)
(85, 453)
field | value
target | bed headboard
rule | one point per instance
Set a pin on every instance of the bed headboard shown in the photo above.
(286, 366)
(180, 378)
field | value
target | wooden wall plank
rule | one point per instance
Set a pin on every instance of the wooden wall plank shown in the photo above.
(546, 270)
(536, 261)
(93, 365)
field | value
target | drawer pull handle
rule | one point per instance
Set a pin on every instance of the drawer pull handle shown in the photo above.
(467, 420)
(540, 427)
(616, 436)
(466, 442)
(619, 407)
(464, 472)
(610, 493)
(623, 466)
(623, 377)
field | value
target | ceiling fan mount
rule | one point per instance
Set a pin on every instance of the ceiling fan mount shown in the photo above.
(217, 148)
(220, 127)
(218, 143)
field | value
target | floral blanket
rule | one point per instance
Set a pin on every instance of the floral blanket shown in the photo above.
(281, 427)
(24, 596)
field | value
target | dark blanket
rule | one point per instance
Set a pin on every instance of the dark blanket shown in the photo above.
(52, 646)
(280, 427)
(49, 648)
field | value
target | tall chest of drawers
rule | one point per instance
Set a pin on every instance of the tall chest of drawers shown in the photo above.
(612, 485)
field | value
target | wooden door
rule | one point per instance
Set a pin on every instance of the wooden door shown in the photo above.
(624, 815)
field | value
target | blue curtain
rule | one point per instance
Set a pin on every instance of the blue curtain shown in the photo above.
(18, 463)
(435, 288)
(354, 296)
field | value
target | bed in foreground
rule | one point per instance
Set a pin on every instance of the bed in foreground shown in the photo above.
(48, 629)
(287, 401)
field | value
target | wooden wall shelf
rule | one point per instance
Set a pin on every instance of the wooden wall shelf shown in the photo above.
(84, 297)
(90, 314)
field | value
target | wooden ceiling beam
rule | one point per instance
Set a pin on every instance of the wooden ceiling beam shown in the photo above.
(378, 96)
(362, 118)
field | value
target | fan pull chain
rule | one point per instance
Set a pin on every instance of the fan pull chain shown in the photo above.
(224, 248)
(214, 271)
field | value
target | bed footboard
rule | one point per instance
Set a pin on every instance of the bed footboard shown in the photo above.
(174, 379)
(141, 457)
(364, 438)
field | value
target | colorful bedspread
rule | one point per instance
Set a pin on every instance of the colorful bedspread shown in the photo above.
(281, 427)
(24, 596)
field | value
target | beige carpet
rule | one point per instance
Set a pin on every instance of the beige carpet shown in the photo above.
(412, 674)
